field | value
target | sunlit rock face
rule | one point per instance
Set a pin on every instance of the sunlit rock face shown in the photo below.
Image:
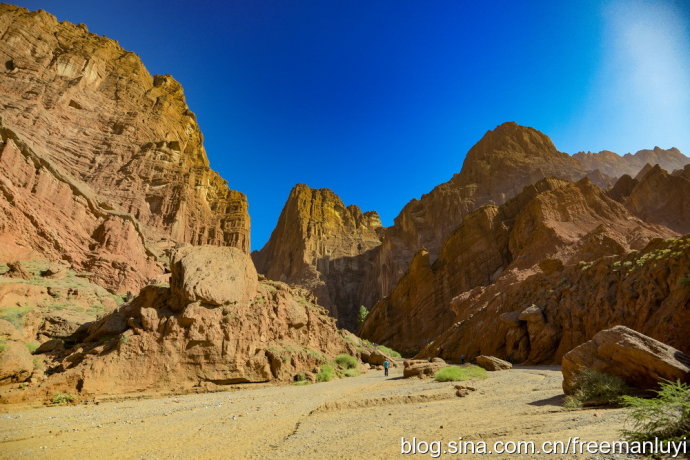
(123, 140)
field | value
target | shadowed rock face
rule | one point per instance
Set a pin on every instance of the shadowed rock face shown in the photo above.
(539, 318)
(560, 221)
(324, 246)
(122, 137)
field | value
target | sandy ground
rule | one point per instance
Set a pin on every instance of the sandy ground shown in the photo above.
(360, 417)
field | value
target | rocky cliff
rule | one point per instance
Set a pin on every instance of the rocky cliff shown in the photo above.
(217, 324)
(497, 168)
(553, 222)
(324, 246)
(125, 138)
(542, 317)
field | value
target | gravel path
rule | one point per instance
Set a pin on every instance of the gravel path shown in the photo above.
(360, 417)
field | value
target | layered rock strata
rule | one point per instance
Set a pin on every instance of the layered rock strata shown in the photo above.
(125, 138)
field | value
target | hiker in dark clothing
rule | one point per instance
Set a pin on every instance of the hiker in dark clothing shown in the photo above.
(386, 365)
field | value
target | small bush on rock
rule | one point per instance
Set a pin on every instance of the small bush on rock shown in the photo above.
(326, 373)
(345, 361)
(351, 373)
(63, 398)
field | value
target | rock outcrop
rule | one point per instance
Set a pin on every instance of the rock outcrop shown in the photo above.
(491, 363)
(640, 361)
(211, 327)
(324, 246)
(560, 221)
(541, 317)
(422, 367)
(497, 168)
(111, 154)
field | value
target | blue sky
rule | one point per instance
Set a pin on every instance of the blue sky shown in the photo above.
(380, 100)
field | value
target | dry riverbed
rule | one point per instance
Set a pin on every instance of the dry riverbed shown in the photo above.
(360, 417)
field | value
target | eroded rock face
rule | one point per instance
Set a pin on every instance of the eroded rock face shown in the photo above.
(117, 158)
(541, 317)
(198, 333)
(561, 221)
(49, 212)
(324, 246)
(639, 360)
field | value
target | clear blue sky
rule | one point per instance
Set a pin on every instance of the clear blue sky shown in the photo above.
(380, 100)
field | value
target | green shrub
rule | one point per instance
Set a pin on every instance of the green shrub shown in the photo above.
(457, 373)
(63, 398)
(594, 388)
(301, 383)
(351, 373)
(667, 416)
(345, 361)
(3, 346)
(32, 347)
(362, 314)
(326, 373)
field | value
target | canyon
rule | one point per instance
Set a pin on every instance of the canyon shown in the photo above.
(125, 259)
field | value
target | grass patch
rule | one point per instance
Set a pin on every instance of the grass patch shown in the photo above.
(15, 315)
(326, 373)
(300, 383)
(3, 346)
(345, 361)
(63, 398)
(667, 416)
(594, 388)
(389, 351)
(316, 354)
(457, 373)
(32, 347)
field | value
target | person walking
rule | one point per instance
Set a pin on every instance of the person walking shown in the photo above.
(386, 365)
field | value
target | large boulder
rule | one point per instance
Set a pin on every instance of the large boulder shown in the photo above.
(638, 359)
(491, 363)
(422, 368)
(213, 275)
(376, 357)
